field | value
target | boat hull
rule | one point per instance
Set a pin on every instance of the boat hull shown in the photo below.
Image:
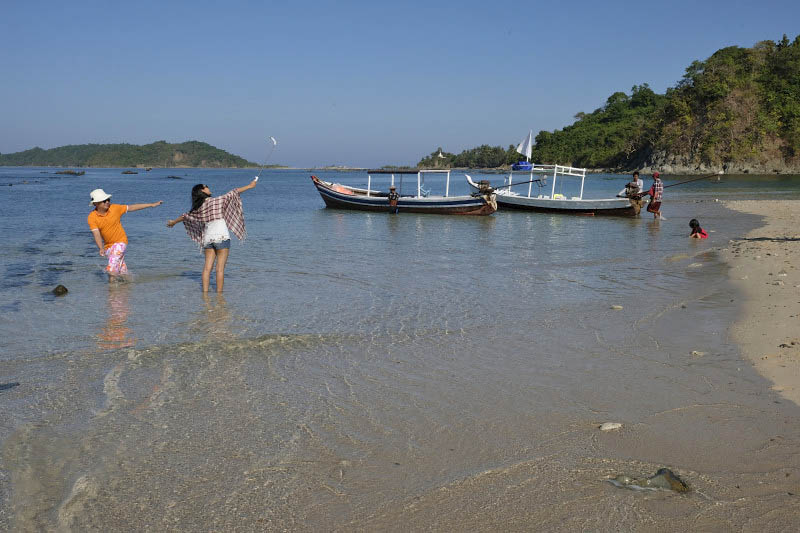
(342, 197)
(610, 207)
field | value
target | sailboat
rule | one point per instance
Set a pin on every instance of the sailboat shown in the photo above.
(524, 148)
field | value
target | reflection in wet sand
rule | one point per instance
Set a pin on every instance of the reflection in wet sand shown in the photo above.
(213, 320)
(116, 333)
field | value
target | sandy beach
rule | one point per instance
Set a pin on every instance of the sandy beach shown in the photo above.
(763, 269)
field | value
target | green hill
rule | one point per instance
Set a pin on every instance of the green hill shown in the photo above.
(157, 154)
(738, 111)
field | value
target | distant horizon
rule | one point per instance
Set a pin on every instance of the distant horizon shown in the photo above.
(358, 84)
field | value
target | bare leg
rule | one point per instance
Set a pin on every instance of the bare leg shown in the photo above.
(222, 258)
(207, 268)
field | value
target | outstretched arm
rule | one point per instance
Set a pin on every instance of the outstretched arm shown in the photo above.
(137, 207)
(252, 184)
(171, 223)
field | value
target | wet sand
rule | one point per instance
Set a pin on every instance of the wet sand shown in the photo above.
(763, 267)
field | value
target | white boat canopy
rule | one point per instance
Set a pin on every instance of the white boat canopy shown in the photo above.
(553, 171)
(419, 172)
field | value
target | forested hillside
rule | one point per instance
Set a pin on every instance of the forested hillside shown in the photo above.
(739, 110)
(157, 154)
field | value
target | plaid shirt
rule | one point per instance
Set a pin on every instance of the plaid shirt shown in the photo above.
(227, 206)
(657, 190)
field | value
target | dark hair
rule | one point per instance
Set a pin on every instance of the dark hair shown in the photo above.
(635, 172)
(694, 224)
(198, 196)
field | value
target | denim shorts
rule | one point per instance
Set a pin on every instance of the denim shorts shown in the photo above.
(218, 245)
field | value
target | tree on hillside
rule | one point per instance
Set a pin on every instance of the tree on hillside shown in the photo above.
(737, 105)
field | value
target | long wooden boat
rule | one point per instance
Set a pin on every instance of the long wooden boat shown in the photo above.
(551, 202)
(336, 195)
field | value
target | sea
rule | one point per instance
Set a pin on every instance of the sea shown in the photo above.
(379, 372)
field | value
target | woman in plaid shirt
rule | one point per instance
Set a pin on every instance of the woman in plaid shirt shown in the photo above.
(207, 223)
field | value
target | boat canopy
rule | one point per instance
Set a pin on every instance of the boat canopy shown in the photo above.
(418, 171)
(389, 171)
(550, 170)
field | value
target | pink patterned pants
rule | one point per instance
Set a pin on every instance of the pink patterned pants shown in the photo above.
(116, 258)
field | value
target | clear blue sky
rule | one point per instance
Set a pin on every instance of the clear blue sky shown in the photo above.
(344, 82)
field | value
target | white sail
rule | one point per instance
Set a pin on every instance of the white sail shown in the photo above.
(525, 146)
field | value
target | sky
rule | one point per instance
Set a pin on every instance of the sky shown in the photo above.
(353, 83)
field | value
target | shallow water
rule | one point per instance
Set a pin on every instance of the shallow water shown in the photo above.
(365, 371)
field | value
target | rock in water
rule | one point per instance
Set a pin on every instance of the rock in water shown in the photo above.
(60, 290)
(664, 479)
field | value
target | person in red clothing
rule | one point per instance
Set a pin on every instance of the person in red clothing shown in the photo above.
(656, 192)
(107, 230)
(697, 231)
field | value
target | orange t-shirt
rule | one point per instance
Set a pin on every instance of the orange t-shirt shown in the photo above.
(109, 225)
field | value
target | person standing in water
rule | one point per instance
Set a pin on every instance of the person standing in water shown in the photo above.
(656, 192)
(208, 222)
(107, 230)
(393, 198)
(633, 191)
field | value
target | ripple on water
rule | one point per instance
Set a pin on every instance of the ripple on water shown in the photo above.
(16, 275)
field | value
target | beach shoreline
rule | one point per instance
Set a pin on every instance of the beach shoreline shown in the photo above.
(763, 270)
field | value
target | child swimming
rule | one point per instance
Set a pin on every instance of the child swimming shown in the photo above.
(697, 231)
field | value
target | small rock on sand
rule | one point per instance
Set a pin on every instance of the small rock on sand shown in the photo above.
(609, 426)
(616, 307)
(664, 479)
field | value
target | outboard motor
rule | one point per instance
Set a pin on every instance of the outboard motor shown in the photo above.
(484, 187)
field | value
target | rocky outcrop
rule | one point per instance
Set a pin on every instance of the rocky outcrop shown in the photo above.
(684, 164)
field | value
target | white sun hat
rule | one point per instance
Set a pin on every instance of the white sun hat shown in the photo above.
(99, 195)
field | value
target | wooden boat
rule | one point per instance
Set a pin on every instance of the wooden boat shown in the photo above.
(551, 202)
(419, 200)
(71, 172)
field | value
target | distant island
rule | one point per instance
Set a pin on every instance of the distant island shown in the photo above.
(190, 154)
(738, 111)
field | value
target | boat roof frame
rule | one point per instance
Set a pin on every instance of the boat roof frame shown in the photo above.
(418, 171)
(554, 171)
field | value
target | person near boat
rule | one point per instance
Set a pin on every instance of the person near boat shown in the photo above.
(207, 223)
(697, 231)
(106, 226)
(633, 191)
(393, 197)
(656, 193)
